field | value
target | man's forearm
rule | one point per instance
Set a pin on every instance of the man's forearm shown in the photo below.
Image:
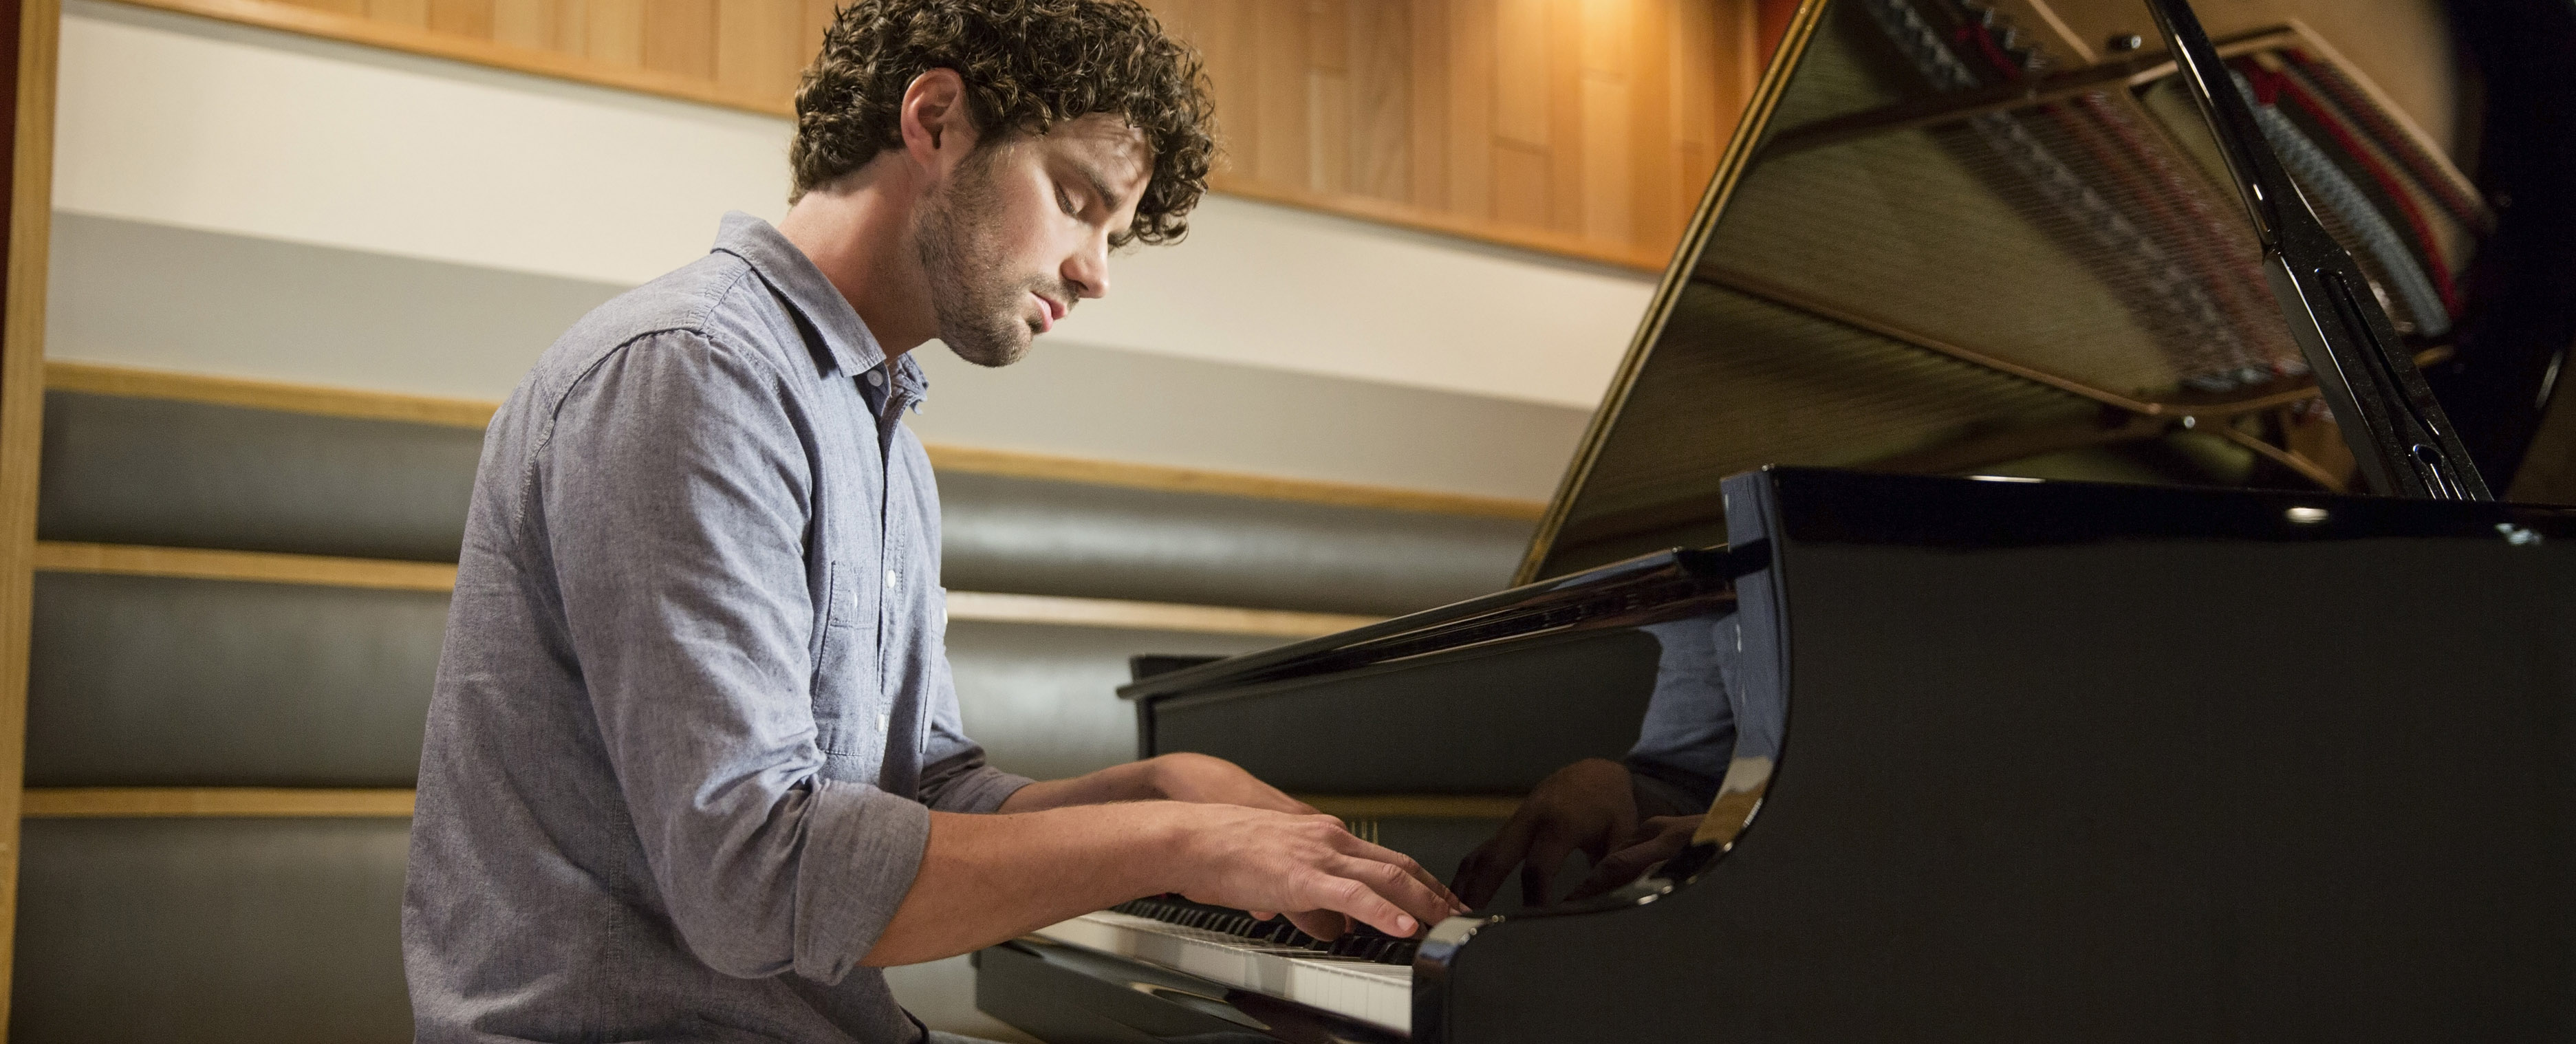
(988, 878)
(1176, 777)
(1133, 781)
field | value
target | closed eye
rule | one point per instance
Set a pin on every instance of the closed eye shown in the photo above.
(1064, 201)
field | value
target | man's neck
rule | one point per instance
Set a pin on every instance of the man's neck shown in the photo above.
(858, 233)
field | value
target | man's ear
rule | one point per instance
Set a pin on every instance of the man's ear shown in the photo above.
(938, 126)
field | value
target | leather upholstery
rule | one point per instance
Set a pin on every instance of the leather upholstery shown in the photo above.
(186, 474)
(147, 681)
(1062, 538)
(181, 474)
(178, 931)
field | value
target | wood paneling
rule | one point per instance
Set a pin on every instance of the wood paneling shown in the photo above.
(263, 802)
(1582, 127)
(990, 607)
(53, 556)
(28, 52)
(102, 379)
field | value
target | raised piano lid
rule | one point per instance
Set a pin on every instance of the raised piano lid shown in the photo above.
(1945, 243)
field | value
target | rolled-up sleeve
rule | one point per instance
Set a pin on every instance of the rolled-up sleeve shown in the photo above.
(677, 492)
(954, 777)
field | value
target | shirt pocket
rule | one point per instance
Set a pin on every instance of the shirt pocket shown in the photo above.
(843, 719)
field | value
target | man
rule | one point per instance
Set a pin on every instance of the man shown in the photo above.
(694, 767)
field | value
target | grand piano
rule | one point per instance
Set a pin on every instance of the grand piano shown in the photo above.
(2022, 563)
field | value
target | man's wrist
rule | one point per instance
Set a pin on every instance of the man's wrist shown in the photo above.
(1153, 780)
(1158, 846)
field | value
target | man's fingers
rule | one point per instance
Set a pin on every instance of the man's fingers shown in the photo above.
(1381, 895)
(1621, 867)
(1665, 838)
(1481, 874)
(1403, 885)
(1373, 851)
(1538, 867)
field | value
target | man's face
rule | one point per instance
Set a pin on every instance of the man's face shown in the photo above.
(1020, 230)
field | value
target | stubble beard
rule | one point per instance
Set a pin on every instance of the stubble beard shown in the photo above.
(979, 308)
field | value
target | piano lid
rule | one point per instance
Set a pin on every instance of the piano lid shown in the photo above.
(1946, 243)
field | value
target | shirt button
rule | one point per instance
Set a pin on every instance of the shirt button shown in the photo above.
(889, 579)
(875, 378)
(885, 722)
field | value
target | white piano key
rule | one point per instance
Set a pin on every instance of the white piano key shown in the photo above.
(1379, 994)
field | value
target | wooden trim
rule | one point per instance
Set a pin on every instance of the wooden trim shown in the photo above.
(22, 424)
(163, 802)
(356, 29)
(1015, 464)
(253, 566)
(987, 607)
(103, 379)
(1414, 806)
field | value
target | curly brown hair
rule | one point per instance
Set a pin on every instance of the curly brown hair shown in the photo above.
(1027, 64)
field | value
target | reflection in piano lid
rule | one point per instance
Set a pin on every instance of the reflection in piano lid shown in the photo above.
(2158, 732)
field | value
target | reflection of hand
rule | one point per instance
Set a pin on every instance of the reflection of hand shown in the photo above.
(1584, 806)
(1206, 780)
(1656, 840)
(1258, 860)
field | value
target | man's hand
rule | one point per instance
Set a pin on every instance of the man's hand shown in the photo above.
(987, 878)
(1202, 780)
(1255, 859)
(1585, 806)
(1656, 840)
(1205, 780)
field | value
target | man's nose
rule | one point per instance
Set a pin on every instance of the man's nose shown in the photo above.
(1088, 269)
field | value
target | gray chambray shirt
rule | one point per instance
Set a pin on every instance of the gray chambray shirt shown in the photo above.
(694, 705)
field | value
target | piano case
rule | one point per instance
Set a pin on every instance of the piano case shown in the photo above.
(2072, 697)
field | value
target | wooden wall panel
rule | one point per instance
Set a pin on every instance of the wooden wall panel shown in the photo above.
(28, 38)
(1585, 127)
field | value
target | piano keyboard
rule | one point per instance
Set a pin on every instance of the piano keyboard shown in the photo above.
(1363, 975)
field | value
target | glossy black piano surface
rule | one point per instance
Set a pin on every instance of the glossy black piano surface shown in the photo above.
(2054, 760)
(2080, 703)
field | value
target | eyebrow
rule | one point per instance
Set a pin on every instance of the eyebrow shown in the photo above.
(1099, 186)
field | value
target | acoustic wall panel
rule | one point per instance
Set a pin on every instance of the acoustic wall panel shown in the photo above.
(211, 931)
(187, 474)
(1062, 538)
(148, 681)
(169, 473)
(1043, 699)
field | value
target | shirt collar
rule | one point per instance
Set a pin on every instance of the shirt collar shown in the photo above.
(787, 270)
